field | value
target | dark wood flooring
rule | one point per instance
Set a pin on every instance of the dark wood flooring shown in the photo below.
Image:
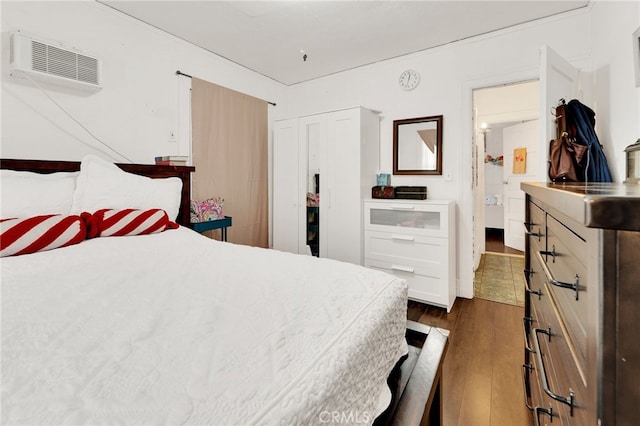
(482, 379)
(494, 242)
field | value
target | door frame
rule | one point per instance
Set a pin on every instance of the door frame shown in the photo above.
(467, 205)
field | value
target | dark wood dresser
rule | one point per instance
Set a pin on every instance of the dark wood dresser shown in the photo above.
(582, 310)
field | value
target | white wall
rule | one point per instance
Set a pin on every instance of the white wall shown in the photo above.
(617, 100)
(449, 73)
(139, 103)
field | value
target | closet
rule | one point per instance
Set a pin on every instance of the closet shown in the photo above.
(324, 165)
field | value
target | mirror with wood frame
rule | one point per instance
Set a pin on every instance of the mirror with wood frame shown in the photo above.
(417, 146)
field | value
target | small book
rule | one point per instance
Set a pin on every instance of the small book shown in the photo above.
(170, 163)
(184, 158)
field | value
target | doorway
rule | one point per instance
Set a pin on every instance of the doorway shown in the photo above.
(505, 119)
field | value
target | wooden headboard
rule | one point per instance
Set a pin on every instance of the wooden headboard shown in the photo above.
(149, 170)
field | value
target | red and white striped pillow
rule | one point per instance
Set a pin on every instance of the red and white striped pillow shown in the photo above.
(39, 233)
(115, 223)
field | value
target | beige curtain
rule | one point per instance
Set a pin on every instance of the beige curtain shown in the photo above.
(229, 145)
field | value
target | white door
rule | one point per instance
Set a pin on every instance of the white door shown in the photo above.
(285, 186)
(558, 80)
(343, 213)
(520, 136)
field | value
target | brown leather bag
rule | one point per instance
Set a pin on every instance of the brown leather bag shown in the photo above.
(566, 157)
(566, 160)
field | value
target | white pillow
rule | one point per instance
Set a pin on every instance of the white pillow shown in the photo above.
(27, 194)
(103, 185)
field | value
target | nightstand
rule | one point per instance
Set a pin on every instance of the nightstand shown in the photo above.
(222, 224)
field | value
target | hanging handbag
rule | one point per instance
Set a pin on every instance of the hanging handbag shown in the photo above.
(566, 159)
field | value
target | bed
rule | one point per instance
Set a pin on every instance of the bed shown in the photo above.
(174, 328)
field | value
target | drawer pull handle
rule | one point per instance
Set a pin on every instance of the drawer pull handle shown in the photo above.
(402, 207)
(527, 273)
(547, 331)
(526, 325)
(551, 253)
(528, 231)
(543, 373)
(528, 290)
(402, 268)
(526, 368)
(547, 411)
(402, 238)
(575, 286)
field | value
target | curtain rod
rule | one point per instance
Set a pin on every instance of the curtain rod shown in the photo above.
(178, 72)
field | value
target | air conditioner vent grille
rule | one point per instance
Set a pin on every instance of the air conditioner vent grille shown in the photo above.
(63, 63)
(39, 56)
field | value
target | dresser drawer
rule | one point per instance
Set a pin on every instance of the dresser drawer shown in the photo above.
(557, 362)
(547, 410)
(424, 283)
(536, 292)
(535, 227)
(565, 264)
(425, 253)
(422, 218)
(561, 369)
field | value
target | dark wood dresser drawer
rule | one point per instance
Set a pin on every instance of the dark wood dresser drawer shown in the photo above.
(582, 362)
(538, 295)
(535, 227)
(567, 281)
(557, 369)
(548, 411)
(563, 372)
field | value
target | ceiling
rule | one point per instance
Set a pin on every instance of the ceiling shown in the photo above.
(271, 37)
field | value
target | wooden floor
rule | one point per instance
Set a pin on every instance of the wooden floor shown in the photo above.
(482, 379)
(494, 242)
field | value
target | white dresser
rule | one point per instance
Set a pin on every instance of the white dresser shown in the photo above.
(414, 240)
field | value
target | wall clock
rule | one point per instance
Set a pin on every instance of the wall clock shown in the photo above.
(409, 79)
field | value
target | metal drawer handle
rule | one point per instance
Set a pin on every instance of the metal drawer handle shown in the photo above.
(547, 332)
(402, 268)
(527, 289)
(526, 325)
(543, 373)
(573, 286)
(551, 253)
(402, 237)
(525, 384)
(547, 411)
(527, 231)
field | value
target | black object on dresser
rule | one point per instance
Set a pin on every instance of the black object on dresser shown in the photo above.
(582, 308)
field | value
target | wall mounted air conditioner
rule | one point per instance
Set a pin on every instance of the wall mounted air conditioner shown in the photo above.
(51, 63)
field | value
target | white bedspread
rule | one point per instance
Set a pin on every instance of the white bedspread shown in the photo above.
(175, 328)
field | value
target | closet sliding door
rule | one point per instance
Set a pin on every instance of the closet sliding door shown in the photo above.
(287, 199)
(342, 164)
